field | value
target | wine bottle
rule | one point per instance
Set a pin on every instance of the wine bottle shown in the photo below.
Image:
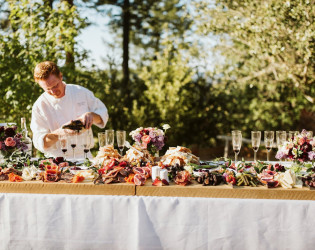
(26, 139)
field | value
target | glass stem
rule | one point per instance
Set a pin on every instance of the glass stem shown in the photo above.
(235, 158)
(254, 156)
(267, 155)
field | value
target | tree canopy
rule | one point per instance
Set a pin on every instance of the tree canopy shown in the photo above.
(264, 78)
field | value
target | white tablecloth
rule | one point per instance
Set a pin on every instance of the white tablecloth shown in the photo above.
(39, 221)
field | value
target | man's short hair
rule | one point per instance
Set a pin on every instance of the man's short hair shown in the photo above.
(44, 69)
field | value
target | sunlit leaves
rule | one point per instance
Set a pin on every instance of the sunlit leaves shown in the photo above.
(268, 48)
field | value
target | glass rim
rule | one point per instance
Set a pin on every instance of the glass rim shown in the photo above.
(236, 131)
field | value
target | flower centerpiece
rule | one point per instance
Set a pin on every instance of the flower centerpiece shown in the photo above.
(10, 141)
(300, 149)
(152, 139)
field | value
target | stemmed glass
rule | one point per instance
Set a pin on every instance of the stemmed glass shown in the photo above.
(281, 137)
(292, 134)
(73, 143)
(236, 142)
(63, 139)
(121, 139)
(101, 139)
(110, 137)
(86, 143)
(269, 138)
(256, 137)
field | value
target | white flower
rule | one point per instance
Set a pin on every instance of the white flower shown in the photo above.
(189, 168)
(166, 127)
(135, 132)
(29, 173)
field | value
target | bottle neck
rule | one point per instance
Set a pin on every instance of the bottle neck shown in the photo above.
(23, 127)
(25, 133)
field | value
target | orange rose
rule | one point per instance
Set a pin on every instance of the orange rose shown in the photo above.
(301, 141)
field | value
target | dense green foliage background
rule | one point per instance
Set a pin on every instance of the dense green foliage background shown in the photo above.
(264, 80)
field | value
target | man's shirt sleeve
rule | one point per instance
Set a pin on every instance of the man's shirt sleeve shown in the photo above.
(98, 107)
(40, 128)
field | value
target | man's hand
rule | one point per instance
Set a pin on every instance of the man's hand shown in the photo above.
(87, 119)
(61, 131)
(51, 138)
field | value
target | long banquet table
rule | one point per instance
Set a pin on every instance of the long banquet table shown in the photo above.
(43, 220)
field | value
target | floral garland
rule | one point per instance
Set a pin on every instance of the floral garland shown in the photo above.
(10, 140)
(301, 148)
(152, 139)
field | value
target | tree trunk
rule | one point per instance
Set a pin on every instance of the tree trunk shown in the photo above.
(125, 65)
(69, 54)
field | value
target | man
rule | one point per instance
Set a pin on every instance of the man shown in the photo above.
(57, 106)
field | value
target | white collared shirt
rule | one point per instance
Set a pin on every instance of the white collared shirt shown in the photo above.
(50, 113)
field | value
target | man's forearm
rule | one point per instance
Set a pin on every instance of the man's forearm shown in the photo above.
(97, 118)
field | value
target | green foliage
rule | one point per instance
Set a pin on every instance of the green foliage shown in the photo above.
(165, 81)
(150, 21)
(268, 72)
(264, 82)
(36, 33)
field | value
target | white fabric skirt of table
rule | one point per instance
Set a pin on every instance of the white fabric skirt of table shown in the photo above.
(41, 221)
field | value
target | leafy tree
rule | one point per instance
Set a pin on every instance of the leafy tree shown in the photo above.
(142, 24)
(36, 33)
(268, 70)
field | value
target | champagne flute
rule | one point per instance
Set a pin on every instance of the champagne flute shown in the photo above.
(281, 137)
(73, 143)
(121, 139)
(110, 137)
(269, 138)
(236, 142)
(256, 137)
(101, 139)
(292, 134)
(63, 139)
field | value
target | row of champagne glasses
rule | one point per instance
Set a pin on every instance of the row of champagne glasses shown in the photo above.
(281, 137)
(108, 138)
(84, 139)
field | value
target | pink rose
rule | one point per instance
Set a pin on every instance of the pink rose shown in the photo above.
(146, 139)
(301, 141)
(10, 142)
